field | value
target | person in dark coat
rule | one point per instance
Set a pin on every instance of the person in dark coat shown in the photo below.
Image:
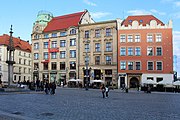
(47, 88)
(53, 88)
(103, 90)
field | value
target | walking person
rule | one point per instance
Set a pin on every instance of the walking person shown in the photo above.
(47, 88)
(107, 91)
(53, 88)
(103, 90)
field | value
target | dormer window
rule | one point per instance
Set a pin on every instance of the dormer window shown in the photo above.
(130, 21)
(54, 35)
(141, 21)
(72, 31)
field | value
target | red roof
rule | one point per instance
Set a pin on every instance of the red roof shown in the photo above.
(63, 22)
(18, 43)
(142, 19)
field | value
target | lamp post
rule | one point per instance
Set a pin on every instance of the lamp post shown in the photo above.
(10, 58)
(86, 64)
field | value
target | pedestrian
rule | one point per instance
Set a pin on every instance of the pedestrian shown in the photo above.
(107, 91)
(47, 88)
(103, 90)
(53, 88)
(0, 84)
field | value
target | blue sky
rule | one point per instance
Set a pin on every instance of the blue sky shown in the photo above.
(22, 13)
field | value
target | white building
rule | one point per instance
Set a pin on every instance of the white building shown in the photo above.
(22, 56)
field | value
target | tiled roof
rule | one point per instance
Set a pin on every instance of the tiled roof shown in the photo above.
(142, 19)
(18, 43)
(63, 22)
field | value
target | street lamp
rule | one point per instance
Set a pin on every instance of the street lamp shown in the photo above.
(86, 64)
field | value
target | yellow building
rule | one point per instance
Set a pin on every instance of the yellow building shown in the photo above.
(98, 47)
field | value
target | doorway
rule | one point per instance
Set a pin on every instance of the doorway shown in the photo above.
(134, 82)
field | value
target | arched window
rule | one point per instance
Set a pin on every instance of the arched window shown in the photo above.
(73, 31)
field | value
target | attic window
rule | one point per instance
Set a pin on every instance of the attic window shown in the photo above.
(141, 21)
(130, 21)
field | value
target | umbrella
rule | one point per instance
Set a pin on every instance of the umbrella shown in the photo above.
(100, 81)
(163, 82)
(79, 80)
(72, 80)
(177, 83)
(149, 81)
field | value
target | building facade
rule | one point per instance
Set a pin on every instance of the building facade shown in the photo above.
(145, 50)
(55, 45)
(98, 47)
(22, 58)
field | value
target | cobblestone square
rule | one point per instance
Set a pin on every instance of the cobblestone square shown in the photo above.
(79, 104)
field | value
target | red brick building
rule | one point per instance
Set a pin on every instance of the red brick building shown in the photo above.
(145, 51)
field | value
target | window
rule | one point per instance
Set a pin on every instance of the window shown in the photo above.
(53, 55)
(108, 31)
(108, 46)
(25, 54)
(73, 31)
(137, 38)
(97, 33)
(130, 51)
(138, 65)
(46, 36)
(45, 55)
(123, 65)
(53, 66)
(87, 47)
(97, 47)
(108, 60)
(36, 66)
(0, 57)
(108, 72)
(20, 69)
(0, 50)
(20, 60)
(86, 59)
(123, 51)
(36, 46)
(24, 70)
(0, 68)
(149, 38)
(62, 65)
(29, 63)
(97, 60)
(45, 66)
(63, 33)
(62, 54)
(158, 37)
(54, 44)
(137, 51)
(158, 51)
(36, 56)
(36, 36)
(149, 51)
(72, 53)
(54, 35)
(62, 43)
(150, 65)
(123, 38)
(73, 42)
(130, 65)
(72, 65)
(45, 45)
(130, 38)
(159, 65)
(87, 34)
(19, 52)
(24, 61)
(29, 70)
